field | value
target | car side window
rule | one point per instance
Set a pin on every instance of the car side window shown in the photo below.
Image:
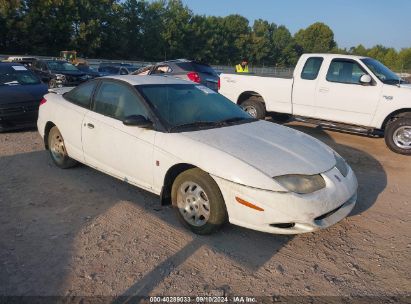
(311, 68)
(81, 95)
(345, 71)
(118, 101)
(162, 69)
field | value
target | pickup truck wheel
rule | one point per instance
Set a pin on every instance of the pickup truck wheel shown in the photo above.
(398, 135)
(58, 151)
(254, 107)
(198, 202)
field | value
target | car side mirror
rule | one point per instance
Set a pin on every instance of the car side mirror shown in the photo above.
(138, 121)
(365, 79)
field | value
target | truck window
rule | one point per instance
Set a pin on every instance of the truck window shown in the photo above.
(345, 71)
(311, 68)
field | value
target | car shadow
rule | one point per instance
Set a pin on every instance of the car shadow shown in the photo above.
(372, 178)
(44, 211)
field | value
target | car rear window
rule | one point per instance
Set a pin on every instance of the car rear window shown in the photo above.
(197, 67)
(17, 75)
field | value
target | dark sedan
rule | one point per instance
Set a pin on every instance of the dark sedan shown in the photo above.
(20, 94)
(59, 73)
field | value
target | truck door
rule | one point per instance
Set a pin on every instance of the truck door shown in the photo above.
(342, 97)
(305, 87)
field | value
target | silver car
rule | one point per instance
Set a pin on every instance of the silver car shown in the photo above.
(185, 69)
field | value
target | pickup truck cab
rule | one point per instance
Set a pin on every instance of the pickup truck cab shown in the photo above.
(352, 93)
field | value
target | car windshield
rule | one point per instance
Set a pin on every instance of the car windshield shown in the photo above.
(185, 107)
(61, 66)
(382, 72)
(17, 75)
(109, 69)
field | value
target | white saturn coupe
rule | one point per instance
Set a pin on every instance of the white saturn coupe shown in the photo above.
(200, 152)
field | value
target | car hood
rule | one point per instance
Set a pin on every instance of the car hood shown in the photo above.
(272, 149)
(22, 93)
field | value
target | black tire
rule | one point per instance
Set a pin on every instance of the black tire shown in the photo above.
(393, 140)
(183, 187)
(255, 107)
(58, 150)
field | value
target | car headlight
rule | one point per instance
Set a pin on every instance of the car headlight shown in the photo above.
(60, 77)
(341, 164)
(301, 184)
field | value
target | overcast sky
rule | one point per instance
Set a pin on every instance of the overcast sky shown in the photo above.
(369, 22)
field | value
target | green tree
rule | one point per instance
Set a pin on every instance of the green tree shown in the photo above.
(284, 47)
(317, 38)
(176, 29)
(261, 48)
(404, 58)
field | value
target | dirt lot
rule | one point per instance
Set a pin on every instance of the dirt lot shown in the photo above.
(80, 232)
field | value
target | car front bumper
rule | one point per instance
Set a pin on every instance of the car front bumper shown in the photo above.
(291, 213)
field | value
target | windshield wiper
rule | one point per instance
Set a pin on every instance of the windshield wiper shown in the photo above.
(194, 124)
(235, 119)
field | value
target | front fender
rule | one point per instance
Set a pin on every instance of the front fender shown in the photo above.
(172, 149)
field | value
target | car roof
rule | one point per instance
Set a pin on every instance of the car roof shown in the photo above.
(325, 55)
(143, 80)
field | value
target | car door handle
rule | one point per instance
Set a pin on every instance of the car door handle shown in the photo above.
(90, 126)
(324, 90)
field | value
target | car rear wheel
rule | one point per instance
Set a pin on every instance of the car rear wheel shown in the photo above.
(398, 135)
(198, 202)
(58, 151)
(254, 107)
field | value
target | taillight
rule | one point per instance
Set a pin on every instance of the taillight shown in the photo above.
(194, 77)
(218, 84)
(43, 101)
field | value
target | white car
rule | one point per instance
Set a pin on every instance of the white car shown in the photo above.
(199, 152)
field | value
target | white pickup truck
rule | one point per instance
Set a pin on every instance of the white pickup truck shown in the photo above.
(352, 93)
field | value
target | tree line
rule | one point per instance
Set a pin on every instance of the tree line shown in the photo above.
(163, 29)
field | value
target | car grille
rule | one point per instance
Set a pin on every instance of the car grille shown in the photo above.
(18, 108)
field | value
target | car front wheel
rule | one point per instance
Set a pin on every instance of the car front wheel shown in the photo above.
(398, 135)
(58, 151)
(198, 202)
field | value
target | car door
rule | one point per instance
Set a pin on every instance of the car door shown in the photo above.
(125, 152)
(72, 116)
(305, 87)
(342, 97)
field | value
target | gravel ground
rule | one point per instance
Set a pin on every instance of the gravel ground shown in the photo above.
(79, 232)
